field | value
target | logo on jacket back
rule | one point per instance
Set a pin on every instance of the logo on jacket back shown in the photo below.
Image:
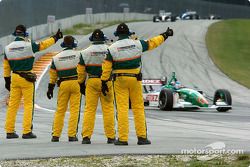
(98, 53)
(125, 48)
(65, 58)
(16, 49)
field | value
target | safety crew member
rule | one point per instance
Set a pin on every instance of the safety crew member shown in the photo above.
(63, 66)
(19, 78)
(124, 60)
(91, 60)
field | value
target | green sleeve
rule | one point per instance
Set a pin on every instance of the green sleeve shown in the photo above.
(5, 57)
(81, 62)
(53, 65)
(109, 57)
(144, 45)
(35, 46)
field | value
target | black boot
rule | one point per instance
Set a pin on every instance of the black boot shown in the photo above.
(120, 143)
(111, 140)
(72, 139)
(86, 140)
(143, 141)
(29, 135)
(12, 135)
(55, 139)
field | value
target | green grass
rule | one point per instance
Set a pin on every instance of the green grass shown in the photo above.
(83, 29)
(228, 45)
(136, 161)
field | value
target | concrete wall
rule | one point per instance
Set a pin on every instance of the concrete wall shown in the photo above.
(35, 12)
(44, 30)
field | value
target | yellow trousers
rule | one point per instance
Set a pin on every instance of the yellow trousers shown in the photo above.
(93, 93)
(69, 92)
(20, 88)
(129, 88)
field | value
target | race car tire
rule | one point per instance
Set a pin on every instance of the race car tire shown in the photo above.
(146, 103)
(172, 18)
(154, 18)
(224, 95)
(157, 19)
(166, 100)
(197, 17)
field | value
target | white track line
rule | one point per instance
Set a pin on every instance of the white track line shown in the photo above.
(36, 87)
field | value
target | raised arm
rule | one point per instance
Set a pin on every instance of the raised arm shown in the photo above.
(156, 41)
(36, 47)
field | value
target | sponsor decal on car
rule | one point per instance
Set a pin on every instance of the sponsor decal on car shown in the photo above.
(151, 82)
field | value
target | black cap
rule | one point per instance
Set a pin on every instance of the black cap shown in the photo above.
(68, 41)
(20, 30)
(97, 35)
(122, 29)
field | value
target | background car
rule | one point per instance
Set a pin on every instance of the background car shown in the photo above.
(213, 17)
(189, 15)
(164, 16)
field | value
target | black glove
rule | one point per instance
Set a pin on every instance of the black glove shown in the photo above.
(167, 33)
(7, 83)
(58, 35)
(104, 88)
(82, 88)
(50, 90)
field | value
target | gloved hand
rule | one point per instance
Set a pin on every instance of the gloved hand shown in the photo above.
(50, 90)
(7, 83)
(82, 88)
(58, 35)
(104, 88)
(167, 33)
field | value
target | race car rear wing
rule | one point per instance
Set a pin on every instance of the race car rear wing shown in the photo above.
(152, 82)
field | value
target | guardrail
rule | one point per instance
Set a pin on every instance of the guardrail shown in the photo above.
(44, 30)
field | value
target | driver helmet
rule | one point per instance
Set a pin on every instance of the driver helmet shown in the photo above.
(177, 85)
(173, 83)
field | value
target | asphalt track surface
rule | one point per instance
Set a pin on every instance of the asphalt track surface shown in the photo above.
(170, 132)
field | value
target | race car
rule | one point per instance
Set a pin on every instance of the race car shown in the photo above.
(163, 17)
(213, 17)
(175, 96)
(189, 15)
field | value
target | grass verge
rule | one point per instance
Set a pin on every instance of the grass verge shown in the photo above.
(83, 29)
(136, 161)
(228, 45)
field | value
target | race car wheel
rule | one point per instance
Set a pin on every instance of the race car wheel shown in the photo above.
(173, 18)
(223, 95)
(155, 19)
(146, 103)
(166, 100)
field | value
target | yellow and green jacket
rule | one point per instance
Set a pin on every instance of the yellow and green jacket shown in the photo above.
(64, 65)
(19, 54)
(124, 55)
(91, 60)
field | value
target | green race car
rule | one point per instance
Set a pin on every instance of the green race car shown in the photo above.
(174, 96)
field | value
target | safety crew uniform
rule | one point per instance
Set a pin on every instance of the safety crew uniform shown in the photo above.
(19, 57)
(124, 60)
(63, 66)
(91, 63)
